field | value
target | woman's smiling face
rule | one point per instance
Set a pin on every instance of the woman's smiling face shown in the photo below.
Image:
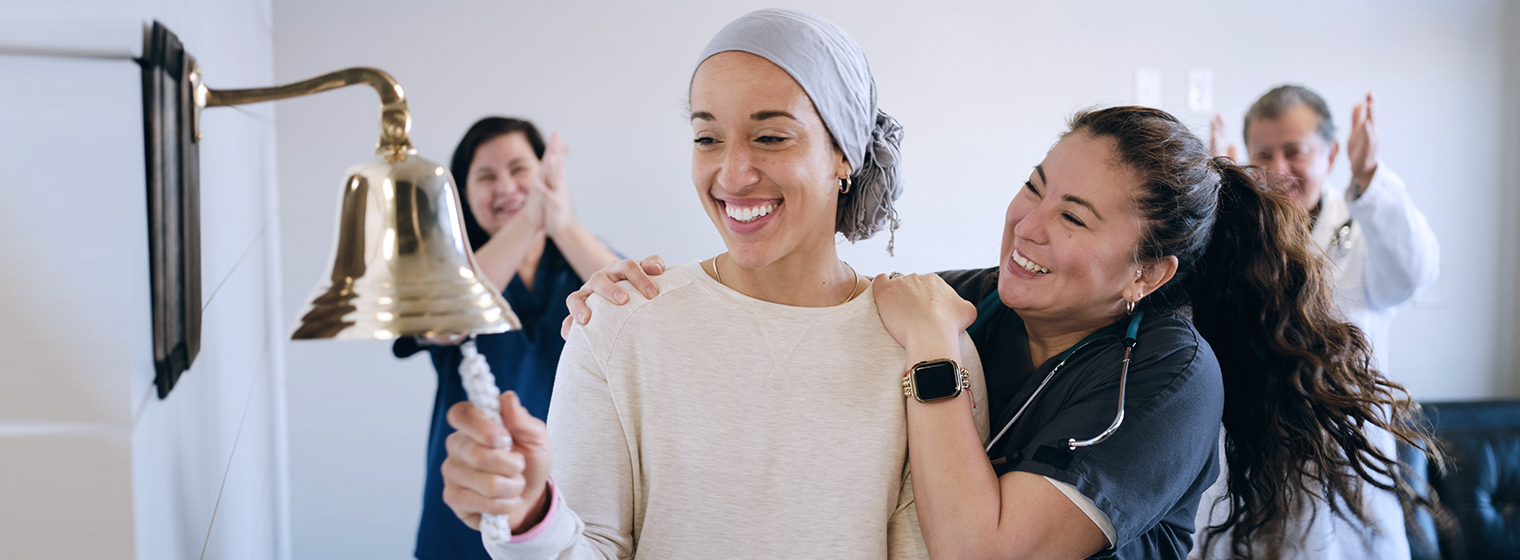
(1070, 236)
(497, 186)
(763, 162)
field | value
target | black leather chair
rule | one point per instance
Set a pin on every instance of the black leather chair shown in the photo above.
(1481, 486)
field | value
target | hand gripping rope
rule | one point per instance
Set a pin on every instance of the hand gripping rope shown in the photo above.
(480, 386)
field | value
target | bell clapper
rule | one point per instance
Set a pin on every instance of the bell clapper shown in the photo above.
(480, 387)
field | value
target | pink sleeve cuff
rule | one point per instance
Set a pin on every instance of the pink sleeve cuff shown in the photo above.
(548, 516)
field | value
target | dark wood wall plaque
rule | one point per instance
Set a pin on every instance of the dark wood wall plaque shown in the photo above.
(173, 171)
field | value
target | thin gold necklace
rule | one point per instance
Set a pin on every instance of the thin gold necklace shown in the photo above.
(853, 274)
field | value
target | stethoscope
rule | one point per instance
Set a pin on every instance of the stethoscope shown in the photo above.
(1342, 238)
(990, 306)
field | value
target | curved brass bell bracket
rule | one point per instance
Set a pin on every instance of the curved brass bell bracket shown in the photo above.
(395, 118)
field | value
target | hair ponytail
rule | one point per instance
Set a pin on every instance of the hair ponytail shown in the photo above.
(1301, 392)
(1300, 389)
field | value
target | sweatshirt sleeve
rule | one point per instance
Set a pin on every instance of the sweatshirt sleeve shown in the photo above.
(1403, 256)
(593, 468)
(547, 540)
(903, 541)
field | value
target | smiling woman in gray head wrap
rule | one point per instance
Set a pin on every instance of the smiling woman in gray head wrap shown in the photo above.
(739, 413)
(831, 68)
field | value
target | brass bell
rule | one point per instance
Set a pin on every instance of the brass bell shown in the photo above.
(402, 265)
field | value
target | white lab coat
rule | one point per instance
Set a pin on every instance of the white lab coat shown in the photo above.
(1388, 255)
(1384, 253)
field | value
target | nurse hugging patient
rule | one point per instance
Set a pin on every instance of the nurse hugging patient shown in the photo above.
(761, 404)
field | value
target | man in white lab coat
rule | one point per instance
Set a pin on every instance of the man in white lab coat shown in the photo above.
(1384, 253)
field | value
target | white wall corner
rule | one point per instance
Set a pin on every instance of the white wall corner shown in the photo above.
(276, 337)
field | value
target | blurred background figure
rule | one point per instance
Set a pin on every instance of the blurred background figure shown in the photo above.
(1384, 253)
(1383, 249)
(525, 237)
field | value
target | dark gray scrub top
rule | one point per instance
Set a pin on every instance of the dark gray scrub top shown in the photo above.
(1149, 476)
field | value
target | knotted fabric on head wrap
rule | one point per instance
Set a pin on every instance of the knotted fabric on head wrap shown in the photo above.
(830, 67)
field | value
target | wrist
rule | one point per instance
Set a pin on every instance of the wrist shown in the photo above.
(562, 229)
(932, 346)
(531, 512)
(521, 228)
(1360, 181)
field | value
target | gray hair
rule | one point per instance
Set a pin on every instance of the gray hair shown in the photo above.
(834, 73)
(1285, 97)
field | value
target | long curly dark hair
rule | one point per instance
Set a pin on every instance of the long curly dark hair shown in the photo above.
(1301, 391)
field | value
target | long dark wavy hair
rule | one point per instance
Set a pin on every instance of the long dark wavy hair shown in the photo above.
(485, 130)
(1301, 391)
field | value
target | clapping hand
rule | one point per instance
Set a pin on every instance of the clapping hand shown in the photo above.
(551, 189)
(1217, 143)
(1362, 146)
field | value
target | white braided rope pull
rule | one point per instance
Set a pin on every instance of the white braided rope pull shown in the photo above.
(480, 386)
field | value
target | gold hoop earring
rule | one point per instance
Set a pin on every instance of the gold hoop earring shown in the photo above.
(1129, 306)
(844, 185)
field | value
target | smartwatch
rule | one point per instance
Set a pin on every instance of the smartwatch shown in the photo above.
(935, 380)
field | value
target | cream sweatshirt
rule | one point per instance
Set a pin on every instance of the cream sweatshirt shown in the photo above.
(708, 424)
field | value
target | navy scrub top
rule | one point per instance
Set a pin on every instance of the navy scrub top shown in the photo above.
(1149, 476)
(523, 361)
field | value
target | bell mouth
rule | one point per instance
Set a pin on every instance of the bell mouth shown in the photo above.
(422, 311)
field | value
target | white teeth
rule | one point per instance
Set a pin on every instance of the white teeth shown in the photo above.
(749, 213)
(1029, 264)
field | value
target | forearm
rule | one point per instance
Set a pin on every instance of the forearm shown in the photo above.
(500, 257)
(1402, 252)
(585, 253)
(955, 490)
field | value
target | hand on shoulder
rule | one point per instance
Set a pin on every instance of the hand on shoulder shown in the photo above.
(604, 283)
(922, 312)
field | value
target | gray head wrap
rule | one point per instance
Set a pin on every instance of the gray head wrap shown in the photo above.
(830, 67)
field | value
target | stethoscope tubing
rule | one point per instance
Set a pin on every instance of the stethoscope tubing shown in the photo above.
(1073, 443)
(1016, 415)
(984, 313)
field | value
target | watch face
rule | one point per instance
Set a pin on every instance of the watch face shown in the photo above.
(936, 380)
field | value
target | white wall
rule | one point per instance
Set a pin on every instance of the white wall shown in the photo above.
(1509, 337)
(95, 464)
(982, 89)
